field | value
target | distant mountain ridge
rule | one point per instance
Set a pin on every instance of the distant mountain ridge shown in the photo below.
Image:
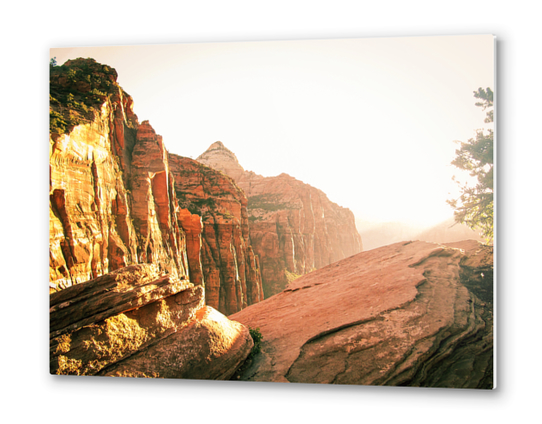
(375, 235)
(145, 244)
(294, 227)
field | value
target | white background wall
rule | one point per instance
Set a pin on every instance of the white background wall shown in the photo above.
(28, 31)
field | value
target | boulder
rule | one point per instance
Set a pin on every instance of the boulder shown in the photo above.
(137, 322)
(210, 347)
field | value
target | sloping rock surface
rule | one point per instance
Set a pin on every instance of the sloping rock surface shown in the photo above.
(137, 322)
(294, 227)
(405, 315)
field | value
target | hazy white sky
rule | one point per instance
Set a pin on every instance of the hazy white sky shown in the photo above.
(371, 122)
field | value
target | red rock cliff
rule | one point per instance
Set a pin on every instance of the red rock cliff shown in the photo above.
(230, 268)
(113, 200)
(294, 227)
(91, 140)
(160, 238)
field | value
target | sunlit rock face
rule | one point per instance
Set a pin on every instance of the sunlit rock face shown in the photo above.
(230, 268)
(294, 228)
(113, 197)
(408, 314)
(161, 239)
(140, 322)
(91, 230)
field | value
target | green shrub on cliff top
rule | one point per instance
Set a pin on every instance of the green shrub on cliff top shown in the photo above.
(77, 90)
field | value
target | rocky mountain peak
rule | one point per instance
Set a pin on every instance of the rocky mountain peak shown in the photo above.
(219, 157)
(218, 145)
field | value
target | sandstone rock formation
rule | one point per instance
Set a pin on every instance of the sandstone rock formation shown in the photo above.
(154, 204)
(218, 157)
(230, 268)
(294, 228)
(91, 140)
(407, 314)
(113, 200)
(139, 322)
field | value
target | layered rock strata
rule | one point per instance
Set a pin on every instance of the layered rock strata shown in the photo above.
(91, 140)
(294, 227)
(408, 314)
(113, 200)
(160, 238)
(230, 268)
(139, 322)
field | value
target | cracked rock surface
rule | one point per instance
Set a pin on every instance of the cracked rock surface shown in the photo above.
(407, 314)
(138, 322)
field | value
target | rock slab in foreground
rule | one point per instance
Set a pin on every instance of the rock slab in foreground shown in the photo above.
(135, 322)
(399, 315)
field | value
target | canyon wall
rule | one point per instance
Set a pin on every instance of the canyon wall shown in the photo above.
(294, 227)
(91, 142)
(113, 197)
(230, 268)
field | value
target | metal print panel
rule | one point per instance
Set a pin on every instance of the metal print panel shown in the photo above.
(316, 211)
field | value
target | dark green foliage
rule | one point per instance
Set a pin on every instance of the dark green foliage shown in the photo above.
(77, 90)
(53, 62)
(268, 202)
(475, 204)
(257, 338)
(200, 207)
(257, 348)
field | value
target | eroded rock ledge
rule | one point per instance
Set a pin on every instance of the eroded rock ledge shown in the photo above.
(137, 322)
(399, 315)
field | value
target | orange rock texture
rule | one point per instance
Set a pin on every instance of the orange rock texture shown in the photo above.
(294, 227)
(154, 204)
(139, 322)
(408, 314)
(113, 200)
(91, 139)
(230, 268)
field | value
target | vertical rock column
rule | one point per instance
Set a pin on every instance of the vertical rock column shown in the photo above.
(192, 226)
(160, 239)
(229, 267)
(87, 236)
